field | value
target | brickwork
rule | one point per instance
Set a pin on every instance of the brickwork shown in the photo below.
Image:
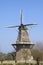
(21, 47)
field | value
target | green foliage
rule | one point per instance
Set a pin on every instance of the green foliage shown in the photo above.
(1, 56)
(8, 57)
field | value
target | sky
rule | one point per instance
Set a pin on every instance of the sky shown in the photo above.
(10, 15)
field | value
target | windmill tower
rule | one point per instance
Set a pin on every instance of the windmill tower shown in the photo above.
(23, 44)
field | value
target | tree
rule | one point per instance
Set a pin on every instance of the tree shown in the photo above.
(8, 57)
(37, 54)
(13, 55)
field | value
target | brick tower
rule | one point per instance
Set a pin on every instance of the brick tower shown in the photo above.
(23, 44)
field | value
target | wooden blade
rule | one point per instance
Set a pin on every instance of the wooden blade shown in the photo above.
(12, 26)
(30, 24)
(21, 16)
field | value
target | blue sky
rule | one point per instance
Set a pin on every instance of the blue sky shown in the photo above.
(10, 15)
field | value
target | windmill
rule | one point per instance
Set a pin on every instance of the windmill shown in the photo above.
(23, 42)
